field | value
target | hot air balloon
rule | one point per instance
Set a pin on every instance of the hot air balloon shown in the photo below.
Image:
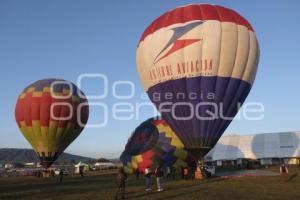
(154, 143)
(197, 64)
(51, 113)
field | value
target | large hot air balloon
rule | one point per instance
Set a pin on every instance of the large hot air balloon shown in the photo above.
(51, 113)
(197, 64)
(154, 143)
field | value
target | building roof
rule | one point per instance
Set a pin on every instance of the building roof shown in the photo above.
(266, 145)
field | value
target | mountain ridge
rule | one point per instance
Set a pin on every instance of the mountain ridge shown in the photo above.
(23, 155)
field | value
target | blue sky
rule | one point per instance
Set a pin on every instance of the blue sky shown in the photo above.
(64, 39)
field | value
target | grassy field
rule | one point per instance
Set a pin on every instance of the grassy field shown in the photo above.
(102, 187)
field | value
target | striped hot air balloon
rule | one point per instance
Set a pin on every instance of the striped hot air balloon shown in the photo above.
(197, 64)
(154, 143)
(51, 113)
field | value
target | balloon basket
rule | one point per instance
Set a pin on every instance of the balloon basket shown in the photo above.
(199, 175)
(46, 174)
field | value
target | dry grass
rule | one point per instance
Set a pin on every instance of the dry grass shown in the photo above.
(102, 187)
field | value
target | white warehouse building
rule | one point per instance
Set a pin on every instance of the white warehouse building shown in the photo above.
(266, 148)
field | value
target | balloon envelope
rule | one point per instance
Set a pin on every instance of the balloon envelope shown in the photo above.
(197, 64)
(51, 113)
(154, 143)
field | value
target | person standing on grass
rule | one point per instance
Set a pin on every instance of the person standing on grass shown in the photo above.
(137, 174)
(284, 171)
(168, 172)
(173, 172)
(159, 174)
(186, 173)
(121, 179)
(61, 175)
(81, 171)
(147, 179)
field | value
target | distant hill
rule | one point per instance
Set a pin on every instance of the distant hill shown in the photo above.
(103, 160)
(28, 155)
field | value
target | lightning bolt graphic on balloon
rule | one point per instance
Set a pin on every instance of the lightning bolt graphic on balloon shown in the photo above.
(177, 43)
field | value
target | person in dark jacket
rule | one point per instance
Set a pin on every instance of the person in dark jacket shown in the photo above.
(284, 171)
(159, 174)
(121, 180)
(186, 173)
(137, 174)
(61, 175)
(81, 171)
(173, 172)
(147, 173)
(168, 172)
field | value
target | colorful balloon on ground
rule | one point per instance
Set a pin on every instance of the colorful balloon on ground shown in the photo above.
(51, 113)
(197, 64)
(154, 143)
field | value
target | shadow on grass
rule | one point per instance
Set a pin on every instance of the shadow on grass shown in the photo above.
(68, 182)
(92, 187)
(177, 195)
(292, 177)
(49, 188)
(191, 184)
